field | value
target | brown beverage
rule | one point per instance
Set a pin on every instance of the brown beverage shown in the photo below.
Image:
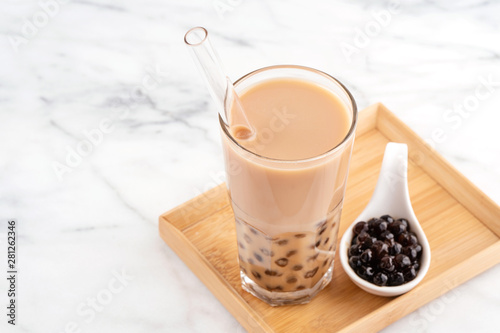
(287, 183)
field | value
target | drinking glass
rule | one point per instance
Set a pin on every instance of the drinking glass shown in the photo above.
(287, 212)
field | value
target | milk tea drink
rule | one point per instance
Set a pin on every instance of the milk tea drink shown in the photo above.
(287, 182)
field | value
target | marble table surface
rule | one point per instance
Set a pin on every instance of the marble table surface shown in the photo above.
(105, 124)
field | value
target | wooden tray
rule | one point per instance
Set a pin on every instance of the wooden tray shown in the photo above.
(462, 224)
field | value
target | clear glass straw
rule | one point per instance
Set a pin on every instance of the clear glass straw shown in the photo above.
(219, 85)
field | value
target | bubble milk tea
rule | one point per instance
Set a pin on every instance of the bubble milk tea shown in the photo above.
(287, 182)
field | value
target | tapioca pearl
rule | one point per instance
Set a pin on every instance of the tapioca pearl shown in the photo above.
(267, 253)
(297, 267)
(322, 230)
(402, 261)
(360, 226)
(257, 275)
(300, 235)
(247, 238)
(407, 238)
(253, 231)
(361, 238)
(371, 222)
(367, 256)
(396, 279)
(367, 243)
(317, 243)
(379, 227)
(365, 272)
(258, 257)
(355, 250)
(282, 242)
(301, 288)
(291, 253)
(326, 240)
(243, 269)
(380, 279)
(387, 236)
(330, 248)
(402, 238)
(321, 224)
(314, 257)
(380, 249)
(412, 239)
(387, 264)
(277, 288)
(397, 227)
(409, 273)
(311, 273)
(240, 244)
(355, 262)
(250, 261)
(291, 280)
(240, 257)
(410, 252)
(325, 262)
(404, 221)
(395, 249)
(387, 218)
(271, 272)
(282, 262)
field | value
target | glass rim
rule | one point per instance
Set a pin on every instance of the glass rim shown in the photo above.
(331, 151)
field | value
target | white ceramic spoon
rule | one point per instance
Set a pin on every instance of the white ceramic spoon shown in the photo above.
(390, 197)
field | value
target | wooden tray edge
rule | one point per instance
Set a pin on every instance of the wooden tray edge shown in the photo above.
(367, 119)
(200, 266)
(205, 204)
(452, 180)
(429, 290)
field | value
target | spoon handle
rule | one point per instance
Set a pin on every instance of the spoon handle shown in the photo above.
(391, 193)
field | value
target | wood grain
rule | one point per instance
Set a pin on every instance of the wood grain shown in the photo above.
(462, 225)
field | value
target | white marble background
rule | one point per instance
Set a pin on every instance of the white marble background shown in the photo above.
(71, 67)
